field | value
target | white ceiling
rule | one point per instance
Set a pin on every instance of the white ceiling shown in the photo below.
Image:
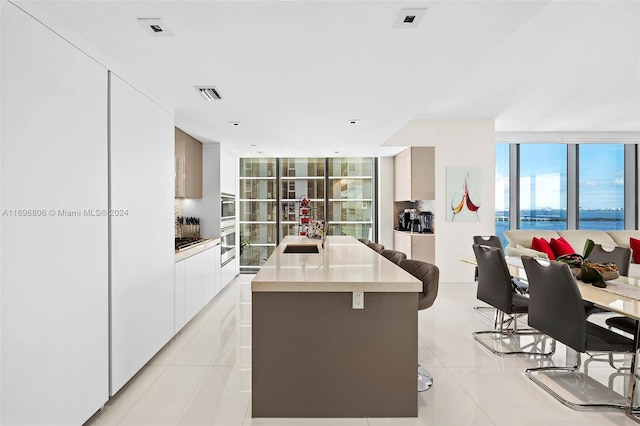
(293, 73)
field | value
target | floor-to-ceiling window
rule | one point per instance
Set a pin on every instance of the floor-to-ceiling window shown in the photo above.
(543, 186)
(341, 190)
(258, 211)
(351, 197)
(502, 190)
(601, 186)
(300, 177)
(578, 185)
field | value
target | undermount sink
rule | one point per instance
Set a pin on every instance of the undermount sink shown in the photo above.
(301, 248)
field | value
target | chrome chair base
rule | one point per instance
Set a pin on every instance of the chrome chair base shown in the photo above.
(425, 379)
(507, 329)
(531, 373)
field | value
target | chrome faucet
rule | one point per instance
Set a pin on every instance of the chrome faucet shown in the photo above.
(325, 225)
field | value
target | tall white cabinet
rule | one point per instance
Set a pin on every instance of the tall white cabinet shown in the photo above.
(142, 255)
(53, 256)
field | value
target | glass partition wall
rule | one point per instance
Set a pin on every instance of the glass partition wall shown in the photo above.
(341, 189)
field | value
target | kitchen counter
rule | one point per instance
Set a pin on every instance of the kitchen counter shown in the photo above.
(426, 234)
(313, 354)
(197, 248)
(345, 265)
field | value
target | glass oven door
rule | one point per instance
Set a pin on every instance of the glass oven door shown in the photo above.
(227, 245)
(228, 207)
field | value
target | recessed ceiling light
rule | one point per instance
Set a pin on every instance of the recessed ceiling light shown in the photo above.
(253, 144)
(234, 123)
(260, 152)
(354, 121)
(409, 18)
(155, 27)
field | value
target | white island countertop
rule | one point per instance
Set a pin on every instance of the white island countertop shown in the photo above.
(344, 265)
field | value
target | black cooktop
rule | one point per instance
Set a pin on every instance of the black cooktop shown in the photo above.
(183, 243)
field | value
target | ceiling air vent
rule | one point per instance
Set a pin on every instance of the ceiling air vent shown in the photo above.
(210, 93)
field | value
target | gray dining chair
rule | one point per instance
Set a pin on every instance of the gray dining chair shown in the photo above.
(620, 255)
(556, 309)
(622, 258)
(430, 276)
(495, 287)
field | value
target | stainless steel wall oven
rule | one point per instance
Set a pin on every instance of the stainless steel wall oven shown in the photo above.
(227, 228)
(227, 244)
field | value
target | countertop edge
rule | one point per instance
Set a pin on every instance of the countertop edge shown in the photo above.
(417, 234)
(199, 248)
(335, 287)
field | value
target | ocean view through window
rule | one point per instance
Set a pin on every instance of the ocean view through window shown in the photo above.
(598, 172)
(601, 186)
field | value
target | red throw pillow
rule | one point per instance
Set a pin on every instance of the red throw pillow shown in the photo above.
(540, 244)
(561, 247)
(635, 247)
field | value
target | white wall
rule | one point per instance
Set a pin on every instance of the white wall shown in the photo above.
(2, 6)
(386, 220)
(54, 268)
(142, 255)
(457, 143)
(228, 171)
(207, 208)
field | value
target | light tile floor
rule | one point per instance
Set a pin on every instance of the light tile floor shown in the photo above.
(203, 376)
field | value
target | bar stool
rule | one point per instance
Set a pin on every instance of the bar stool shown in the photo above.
(430, 276)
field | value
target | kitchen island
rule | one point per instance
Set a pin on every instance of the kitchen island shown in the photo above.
(313, 354)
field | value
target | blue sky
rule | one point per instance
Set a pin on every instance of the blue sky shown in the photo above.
(543, 176)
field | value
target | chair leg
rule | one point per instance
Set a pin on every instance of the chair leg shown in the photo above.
(425, 379)
(531, 373)
(509, 329)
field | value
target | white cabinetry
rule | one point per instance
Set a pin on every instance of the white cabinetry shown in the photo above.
(414, 177)
(197, 281)
(142, 254)
(194, 300)
(54, 339)
(210, 273)
(227, 273)
(415, 246)
(228, 172)
(179, 316)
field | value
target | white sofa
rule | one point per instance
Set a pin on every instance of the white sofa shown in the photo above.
(520, 242)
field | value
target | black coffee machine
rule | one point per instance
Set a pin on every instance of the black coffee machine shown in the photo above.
(426, 222)
(404, 221)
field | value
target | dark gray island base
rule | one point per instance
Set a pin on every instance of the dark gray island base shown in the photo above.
(315, 356)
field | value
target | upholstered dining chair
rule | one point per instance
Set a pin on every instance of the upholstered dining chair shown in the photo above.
(394, 255)
(556, 309)
(430, 276)
(495, 287)
(487, 240)
(620, 255)
(376, 247)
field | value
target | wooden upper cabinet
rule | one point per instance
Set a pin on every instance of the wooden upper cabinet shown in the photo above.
(414, 176)
(188, 169)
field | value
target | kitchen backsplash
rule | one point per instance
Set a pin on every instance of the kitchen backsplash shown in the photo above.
(177, 212)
